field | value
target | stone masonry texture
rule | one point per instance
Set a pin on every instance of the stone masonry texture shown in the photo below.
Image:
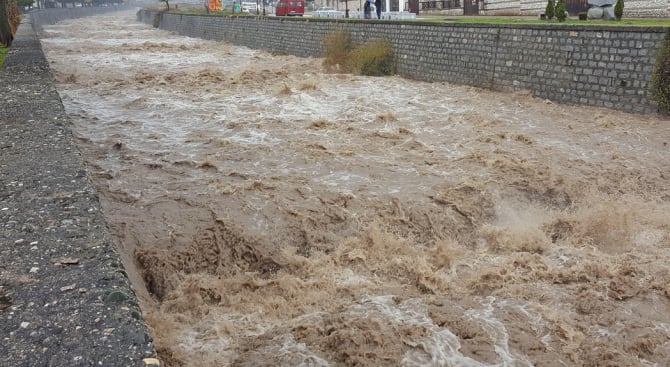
(594, 65)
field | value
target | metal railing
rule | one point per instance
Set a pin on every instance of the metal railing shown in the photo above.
(441, 4)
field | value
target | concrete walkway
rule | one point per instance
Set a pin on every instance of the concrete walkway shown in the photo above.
(65, 299)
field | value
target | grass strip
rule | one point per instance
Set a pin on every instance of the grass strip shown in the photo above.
(3, 52)
(512, 20)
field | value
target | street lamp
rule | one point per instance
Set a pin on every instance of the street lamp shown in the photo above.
(346, 8)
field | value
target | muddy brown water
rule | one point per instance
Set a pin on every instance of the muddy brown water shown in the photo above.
(274, 214)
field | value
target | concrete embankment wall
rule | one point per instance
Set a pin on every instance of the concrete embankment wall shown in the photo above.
(605, 66)
(54, 15)
(65, 298)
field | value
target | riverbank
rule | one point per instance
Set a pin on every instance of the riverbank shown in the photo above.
(64, 297)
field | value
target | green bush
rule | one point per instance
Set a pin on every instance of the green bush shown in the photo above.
(549, 10)
(374, 58)
(618, 9)
(337, 46)
(661, 75)
(559, 11)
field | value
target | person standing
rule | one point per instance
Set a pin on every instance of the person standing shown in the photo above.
(367, 9)
(378, 8)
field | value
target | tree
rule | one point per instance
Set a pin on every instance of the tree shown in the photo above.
(549, 11)
(167, 3)
(559, 11)
(618, 9)
(25, 3)
(6, 35)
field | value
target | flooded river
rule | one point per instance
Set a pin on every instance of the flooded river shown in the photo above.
(273, 214)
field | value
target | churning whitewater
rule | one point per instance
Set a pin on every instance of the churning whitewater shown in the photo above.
(271, 213)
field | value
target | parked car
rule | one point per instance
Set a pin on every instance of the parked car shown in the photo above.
(327, 12)
(290, 8)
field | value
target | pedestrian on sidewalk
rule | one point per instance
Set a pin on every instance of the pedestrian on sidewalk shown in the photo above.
(367, 9)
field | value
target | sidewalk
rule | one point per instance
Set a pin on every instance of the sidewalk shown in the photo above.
(64, 296)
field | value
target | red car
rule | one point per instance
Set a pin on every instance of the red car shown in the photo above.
(290, 7)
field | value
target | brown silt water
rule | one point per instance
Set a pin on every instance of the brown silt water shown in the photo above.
(271, 213)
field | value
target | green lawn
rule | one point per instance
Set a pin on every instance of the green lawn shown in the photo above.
(3, 52)
(512, 20)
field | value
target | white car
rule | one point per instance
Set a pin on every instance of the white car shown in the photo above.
(327, 12)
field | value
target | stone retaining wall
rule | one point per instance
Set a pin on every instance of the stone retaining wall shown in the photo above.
(54, 15)
(606, 66)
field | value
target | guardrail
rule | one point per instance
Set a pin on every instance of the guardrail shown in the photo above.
(389, 15)
(441, 4)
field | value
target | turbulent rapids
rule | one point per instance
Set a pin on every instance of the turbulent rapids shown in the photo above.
(271, 213)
